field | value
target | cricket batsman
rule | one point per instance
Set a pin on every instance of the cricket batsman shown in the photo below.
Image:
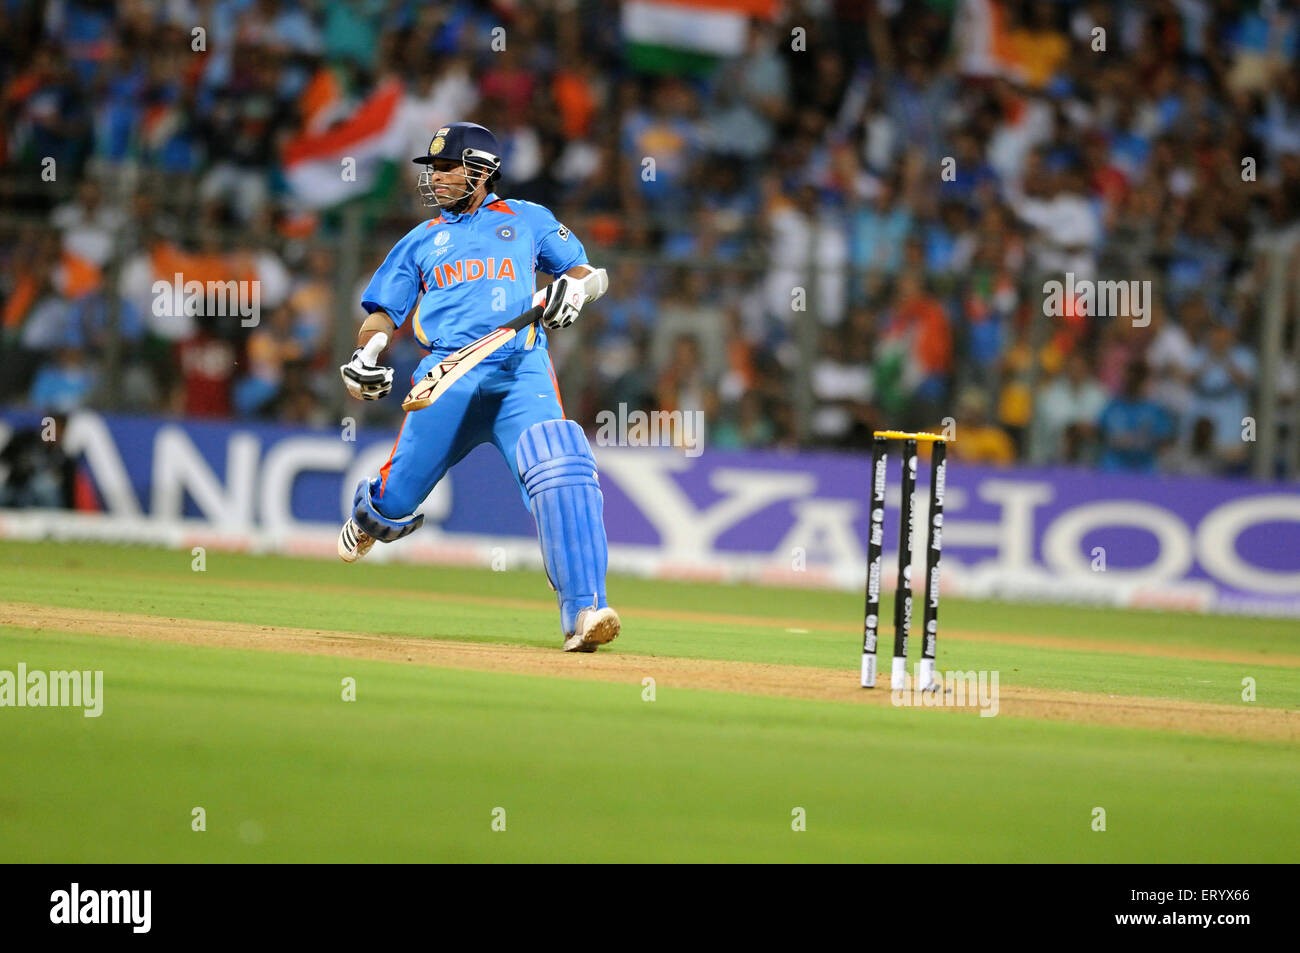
(471, 268)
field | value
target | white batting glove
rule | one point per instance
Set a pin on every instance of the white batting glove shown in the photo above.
(366, 381)
(565, 297)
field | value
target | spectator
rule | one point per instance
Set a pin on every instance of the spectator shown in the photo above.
(665, 136)
(1222, 372)
(1066, 414)
(1133, 429)
(745, 426)
(686, 312)
(1068, 230)
(683, 384)
(1172, 358)
(207, 370)
(50, 114)
(841, 388)
(879, 232)
(270, 347)
(64, 384)
(238, 133)
(1037, 47)
(979, 441)
(310, 302)
(750, 97)
(813, 253)
(918, 328)
(89, 228)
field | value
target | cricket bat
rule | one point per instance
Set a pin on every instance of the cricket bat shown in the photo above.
(455, 366)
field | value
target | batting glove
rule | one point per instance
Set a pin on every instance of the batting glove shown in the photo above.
(366, 381)
(565, 297)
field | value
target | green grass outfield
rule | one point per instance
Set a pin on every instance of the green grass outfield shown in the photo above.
(587, 770)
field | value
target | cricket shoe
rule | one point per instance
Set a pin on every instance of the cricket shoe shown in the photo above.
(594, 628)
(353, 543)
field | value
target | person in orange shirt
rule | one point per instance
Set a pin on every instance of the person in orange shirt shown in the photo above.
(1037, 49)
(920, 328)
(920, 317)
(574, 91)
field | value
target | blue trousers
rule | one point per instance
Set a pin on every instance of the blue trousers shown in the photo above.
(496, 401)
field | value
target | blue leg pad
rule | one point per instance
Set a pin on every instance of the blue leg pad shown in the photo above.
(376, 524)
(558, 473)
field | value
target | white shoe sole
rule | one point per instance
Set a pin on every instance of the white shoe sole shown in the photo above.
(346, 552)
(596, 627)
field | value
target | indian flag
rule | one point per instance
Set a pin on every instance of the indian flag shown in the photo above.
(372, 136)
(687, 36)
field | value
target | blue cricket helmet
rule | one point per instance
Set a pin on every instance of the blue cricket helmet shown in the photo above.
(469, 144)
(466, 141)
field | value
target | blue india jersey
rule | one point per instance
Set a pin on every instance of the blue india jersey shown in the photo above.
(472, 272)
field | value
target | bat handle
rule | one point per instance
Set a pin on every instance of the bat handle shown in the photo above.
(527, 318)
(374, 347)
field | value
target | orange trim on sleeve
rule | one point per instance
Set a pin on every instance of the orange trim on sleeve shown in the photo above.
(500, 206)
(556, 384)
(434, 221)
(383, 471)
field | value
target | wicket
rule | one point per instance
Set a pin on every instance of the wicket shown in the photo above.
(906, 538)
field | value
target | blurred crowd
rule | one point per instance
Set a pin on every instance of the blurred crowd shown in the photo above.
(862, 205)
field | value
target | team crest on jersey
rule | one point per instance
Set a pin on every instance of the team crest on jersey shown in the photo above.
(506, 233)
(442, 237)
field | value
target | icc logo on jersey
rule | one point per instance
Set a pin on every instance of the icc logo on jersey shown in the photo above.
(441, 238)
